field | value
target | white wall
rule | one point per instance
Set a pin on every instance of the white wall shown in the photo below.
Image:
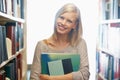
(40, 21)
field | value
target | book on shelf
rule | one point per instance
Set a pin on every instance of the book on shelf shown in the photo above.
(110, 9)
(116, 9)
(9, 47)
(14, 33)
(19, 36)
(11, 40)
(13, 66)
(97, 61)
(10, 33)
(19, 66)
(109, 66)
(59, 63)
(20, 8)
(3, 49)
(4, 43)
(109, 38)
(8, 6)
(116, 69)
(107, 59)
(13, 7)
(2, 75)
(119, 68)
(105, 9)
(3, 6)
(11, 70)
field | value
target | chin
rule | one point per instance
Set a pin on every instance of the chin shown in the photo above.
(61, 32)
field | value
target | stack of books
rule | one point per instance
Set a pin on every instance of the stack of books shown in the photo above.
(59, 63)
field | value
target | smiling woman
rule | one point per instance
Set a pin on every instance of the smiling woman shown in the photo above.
(67, 38)
(66, 22)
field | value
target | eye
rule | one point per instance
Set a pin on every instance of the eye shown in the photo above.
(61, 17)
(70, 21)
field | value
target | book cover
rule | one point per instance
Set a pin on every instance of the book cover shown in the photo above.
(55, 67)
(70, 62)
(67, 65)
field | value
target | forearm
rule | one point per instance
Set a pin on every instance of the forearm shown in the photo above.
(59, 77)
(62, 77)
(82, 74)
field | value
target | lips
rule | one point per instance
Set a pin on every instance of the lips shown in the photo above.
(61, 27)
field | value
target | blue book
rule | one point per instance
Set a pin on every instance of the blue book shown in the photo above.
(59, 63)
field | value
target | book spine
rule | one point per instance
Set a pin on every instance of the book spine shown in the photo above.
(10, 33)
(3, 49)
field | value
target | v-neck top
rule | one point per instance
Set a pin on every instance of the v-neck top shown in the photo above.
(42, 47)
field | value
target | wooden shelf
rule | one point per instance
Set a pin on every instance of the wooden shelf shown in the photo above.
(11, 58)
(5, 18)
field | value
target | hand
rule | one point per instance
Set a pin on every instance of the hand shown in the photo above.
(44, 77)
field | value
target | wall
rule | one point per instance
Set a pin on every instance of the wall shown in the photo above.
(40, 20)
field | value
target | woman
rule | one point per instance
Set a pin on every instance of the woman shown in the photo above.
(67, 38)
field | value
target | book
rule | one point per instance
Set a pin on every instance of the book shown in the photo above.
(3, 49)
(11, 70)
(19, 66)
(67, 65)
(9, 47)
(2, 75)
(57, 69)
(4, 43)
(10, 33)
(59, 63)
(22, 9)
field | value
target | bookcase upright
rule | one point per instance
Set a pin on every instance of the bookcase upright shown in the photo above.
(108, 41)
(13, 65)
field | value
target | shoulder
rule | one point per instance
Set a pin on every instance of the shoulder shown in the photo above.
(82, 43)
(41, 45)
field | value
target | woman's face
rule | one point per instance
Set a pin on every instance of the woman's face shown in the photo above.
(66, 22)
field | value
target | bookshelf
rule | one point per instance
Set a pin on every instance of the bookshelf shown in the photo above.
(13, 40)
(108, 41)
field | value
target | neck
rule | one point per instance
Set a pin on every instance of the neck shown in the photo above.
(59, 39)
(62, 38)
(58, 44)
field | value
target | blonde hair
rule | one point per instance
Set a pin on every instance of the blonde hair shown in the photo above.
(76, 34)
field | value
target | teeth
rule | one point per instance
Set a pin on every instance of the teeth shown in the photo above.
(63, 27)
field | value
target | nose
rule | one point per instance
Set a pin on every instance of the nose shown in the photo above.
(63, 22)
